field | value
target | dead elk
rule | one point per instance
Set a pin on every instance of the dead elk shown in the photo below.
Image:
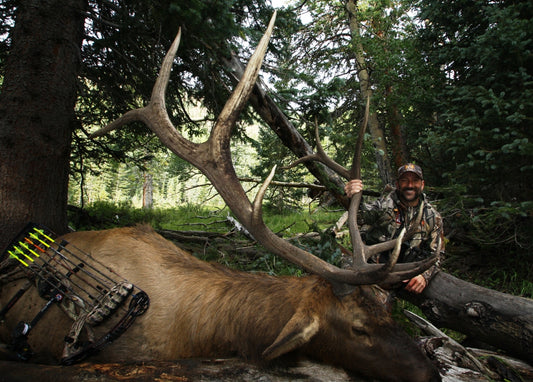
(200, 309)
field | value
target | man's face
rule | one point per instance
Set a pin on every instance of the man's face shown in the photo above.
(410, 186)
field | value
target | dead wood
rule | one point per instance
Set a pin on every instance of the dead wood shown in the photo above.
(498, 319)
(451, 366)
(197, 370)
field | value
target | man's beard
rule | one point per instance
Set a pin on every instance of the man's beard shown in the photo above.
(410, 194)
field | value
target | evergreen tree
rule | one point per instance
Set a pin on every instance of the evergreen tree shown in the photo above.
(480, 138)
(45, 68)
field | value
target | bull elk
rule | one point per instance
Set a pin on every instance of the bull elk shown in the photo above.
(200, 309)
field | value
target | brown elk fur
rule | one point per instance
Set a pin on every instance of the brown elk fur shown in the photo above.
(199, 309)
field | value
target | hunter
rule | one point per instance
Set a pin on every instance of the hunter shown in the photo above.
(384, 219)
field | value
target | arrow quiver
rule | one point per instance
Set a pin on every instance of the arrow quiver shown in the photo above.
(86, 289)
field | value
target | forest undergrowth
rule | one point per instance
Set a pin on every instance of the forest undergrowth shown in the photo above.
(496, 268)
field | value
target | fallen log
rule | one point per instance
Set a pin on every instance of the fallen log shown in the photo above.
(498, 319)
(461, 363)
(449, 351)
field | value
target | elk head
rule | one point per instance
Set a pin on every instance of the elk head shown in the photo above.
(213, 158)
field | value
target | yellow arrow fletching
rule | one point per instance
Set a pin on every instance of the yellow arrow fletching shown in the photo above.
(38, 238)
(45, 235)
(11, 254)
(28, 248)
(23, 253)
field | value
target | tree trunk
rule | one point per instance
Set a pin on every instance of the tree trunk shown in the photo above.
(498, 319)
(37, 114)
(148, 191)
(400, 153)
(376, 131)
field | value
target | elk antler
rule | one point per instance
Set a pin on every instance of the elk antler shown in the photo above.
(213, 158)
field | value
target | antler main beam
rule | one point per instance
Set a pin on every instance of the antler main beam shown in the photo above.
(213, 158)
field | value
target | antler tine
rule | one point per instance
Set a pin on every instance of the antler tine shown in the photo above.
(154, 114)
(356, 162)
(322, 157)
(359, 248)
(258, 201)
(158, 92)
(393, 258)
(161, 83)
(325, 159)
(229, 114)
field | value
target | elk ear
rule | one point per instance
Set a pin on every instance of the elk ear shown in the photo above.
(383, 296)
(298, 331)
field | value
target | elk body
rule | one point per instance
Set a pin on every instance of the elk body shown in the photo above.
(200, 309)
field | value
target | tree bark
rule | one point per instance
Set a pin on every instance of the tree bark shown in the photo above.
(148, 191)
(498, 319)
(376, 131)
(400, 153)
(37, 114)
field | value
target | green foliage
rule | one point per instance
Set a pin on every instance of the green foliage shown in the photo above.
(270, 151)
(326, 247)
(478, 138)
(504, 272)
(125, 44)
(482, 137)
(104, 215)
(195, 217)
(508, 272)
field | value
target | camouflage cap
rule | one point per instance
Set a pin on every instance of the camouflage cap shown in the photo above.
(410, 167)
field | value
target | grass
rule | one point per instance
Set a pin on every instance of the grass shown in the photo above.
(505, 272)
(104, 215)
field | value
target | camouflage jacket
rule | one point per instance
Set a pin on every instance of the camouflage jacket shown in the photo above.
(384, 219)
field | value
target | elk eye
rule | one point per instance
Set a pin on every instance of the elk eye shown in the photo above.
(357, 331)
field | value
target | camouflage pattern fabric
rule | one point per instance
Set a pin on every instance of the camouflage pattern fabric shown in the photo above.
(383, 220)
